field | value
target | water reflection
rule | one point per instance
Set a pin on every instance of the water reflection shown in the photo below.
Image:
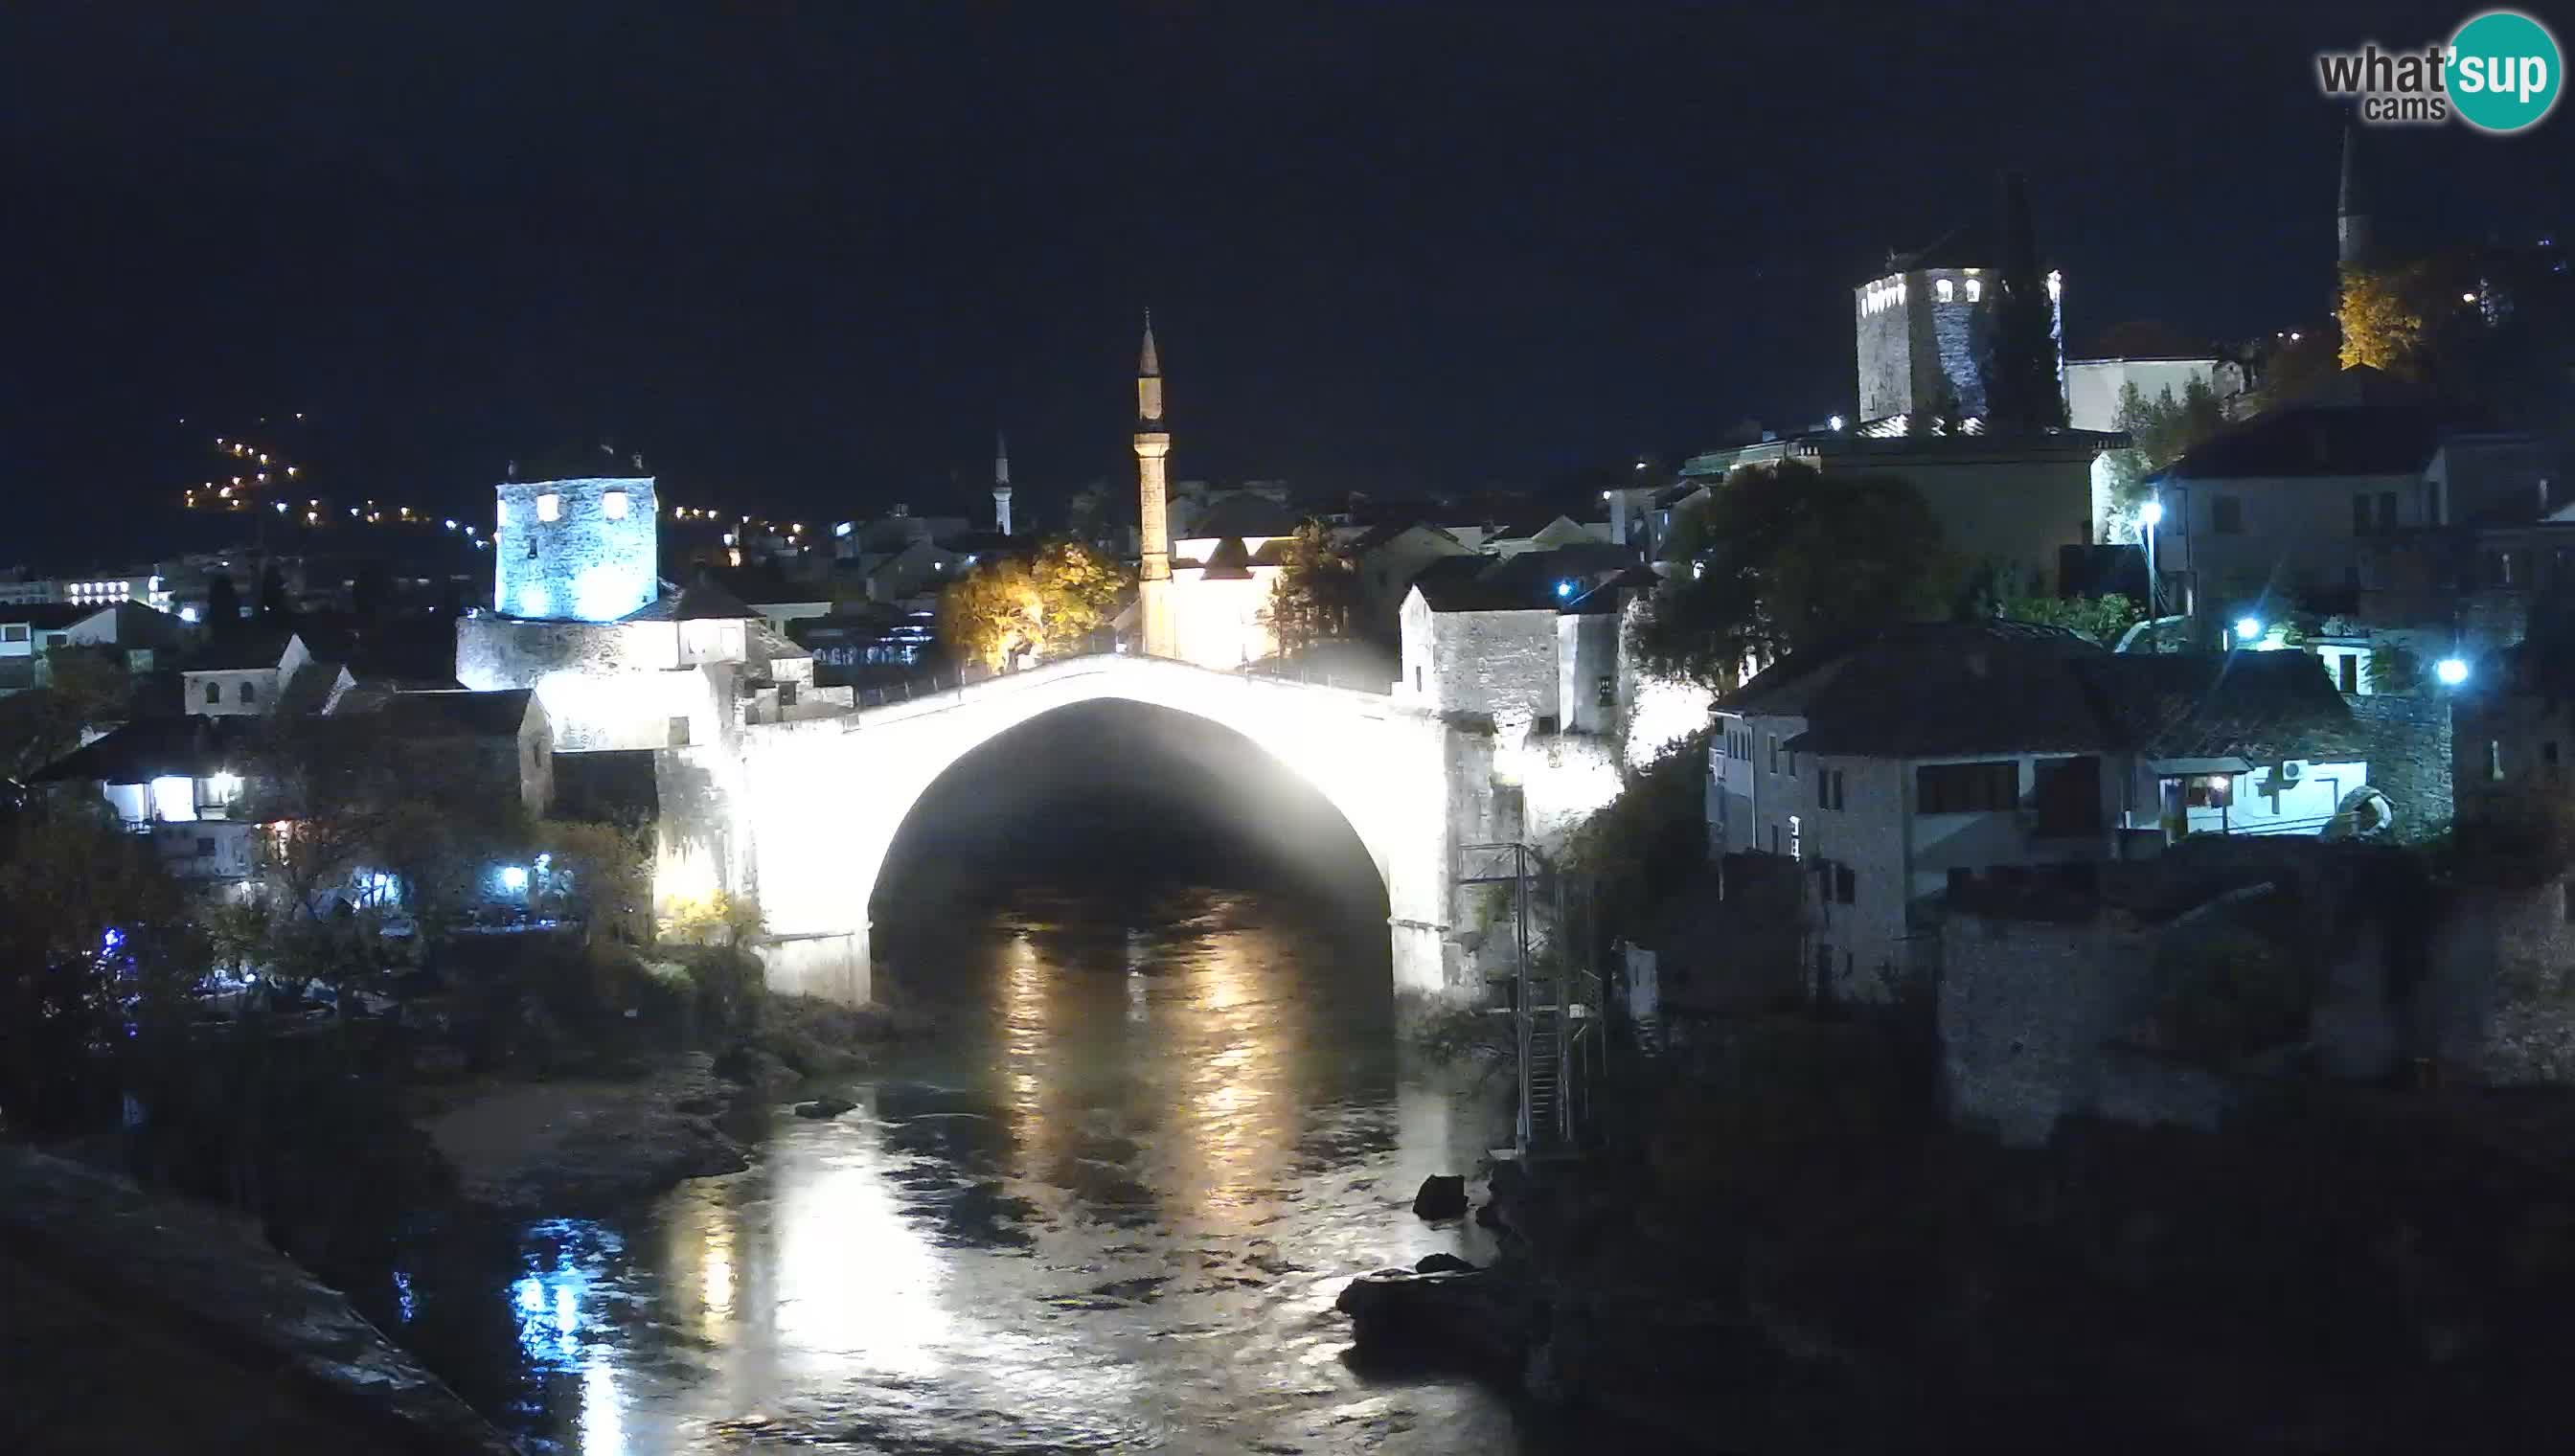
(1109, 1210)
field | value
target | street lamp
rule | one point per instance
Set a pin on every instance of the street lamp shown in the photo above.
(2451, 670)
(2151, 515)
(2247, 628)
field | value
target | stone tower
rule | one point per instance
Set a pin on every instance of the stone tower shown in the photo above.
(576, 549)
(1001, 484)
(1153, 446)
(2351, 213)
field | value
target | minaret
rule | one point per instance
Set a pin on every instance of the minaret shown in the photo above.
(1153, 445)
(2351, 213)
(1001, 484)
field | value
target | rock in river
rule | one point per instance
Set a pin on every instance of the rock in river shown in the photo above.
(1475, 1316)
(1442, 1195)
(822, 1107)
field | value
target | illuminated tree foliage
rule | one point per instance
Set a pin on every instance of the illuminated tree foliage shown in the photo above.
(1782, 557)
(1046, 606)
(1310, 601)
(2103, 619)
(2382, 324)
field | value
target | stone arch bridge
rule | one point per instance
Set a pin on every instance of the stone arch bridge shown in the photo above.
(802, 813)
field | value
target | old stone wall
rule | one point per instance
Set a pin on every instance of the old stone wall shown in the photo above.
(2498, 1007)
(2407, 741)
(2028, 1017)
(1497, 662)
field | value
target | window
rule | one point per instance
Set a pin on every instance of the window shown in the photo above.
(2494, 759)
(1950, 789)
(550, 506)
(2208, 791)
(2387, 509)
(249, 693)
(1846, 884)
(14, 631)
(2361, 518)
(2226, 514)
(1774, 753)
(2432, 512)
(1945, 289)
(1976, 289)
(2067, 795)
(214, 691)
(1774, 839)
(1837, 788)
(1417, 679)
(1797, 838)
(1607, 690)
(680, 730)
(56, 639)
(504, 518)
(1828, 789)
(2348, 669)
(613, 505)
(205, 847)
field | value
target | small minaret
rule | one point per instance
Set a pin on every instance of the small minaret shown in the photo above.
(1152, 446)
(2351, 213)
(1001, 484)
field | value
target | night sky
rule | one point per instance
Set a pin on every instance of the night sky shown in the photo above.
(808, 256)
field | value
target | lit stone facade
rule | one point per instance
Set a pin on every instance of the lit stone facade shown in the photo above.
(1921, 336)
(575, 549)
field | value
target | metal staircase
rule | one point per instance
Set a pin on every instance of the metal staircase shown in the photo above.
(1553, 999)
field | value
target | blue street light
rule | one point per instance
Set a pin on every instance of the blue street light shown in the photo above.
(2451, 670)
(2247, 628)
(1565, 589)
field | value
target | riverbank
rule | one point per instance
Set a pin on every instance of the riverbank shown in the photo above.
(1789, 1253)
(579, 1145)
(138, 1322)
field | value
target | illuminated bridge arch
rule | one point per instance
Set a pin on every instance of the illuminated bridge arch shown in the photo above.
(813, 805)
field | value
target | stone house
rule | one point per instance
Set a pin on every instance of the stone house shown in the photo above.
(1387, 559)
(2300, 504)
(177, 782)
(255, 672)
(1901, 766)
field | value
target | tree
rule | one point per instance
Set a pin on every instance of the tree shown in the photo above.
(2160, 431)
(96, 951)
(273, 606)
(223, 603)
(1310, 601)
(2023, 390)
(1047, 606)
(1782, 557)
(2382, 323)
(85, 688)
(2103, 619)
(2394, 667)
(598, 873)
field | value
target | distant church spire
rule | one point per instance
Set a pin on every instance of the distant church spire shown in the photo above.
(1001, 483)
(2352, 212)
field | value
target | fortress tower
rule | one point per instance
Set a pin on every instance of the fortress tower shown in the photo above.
(1153, 446)
(576, 550)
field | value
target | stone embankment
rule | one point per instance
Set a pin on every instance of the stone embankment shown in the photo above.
(136, 1322)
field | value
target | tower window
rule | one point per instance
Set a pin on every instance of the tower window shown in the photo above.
(505, 514)
(1946, 290)
(613, 505)
(550, 506)
(1976, 289)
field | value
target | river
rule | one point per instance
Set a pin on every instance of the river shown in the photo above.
(1108, 1208)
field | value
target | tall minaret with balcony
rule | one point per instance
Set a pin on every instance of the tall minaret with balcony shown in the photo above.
(1002, 483)
(1152, 446)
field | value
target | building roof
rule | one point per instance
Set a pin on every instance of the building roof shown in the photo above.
(1944, 689)
(700, 600)
(241, 651)
(1610, 595)
(1227, 562)
(2322, 440)
(193, 746)
(1377, 536)
(1458, 584)
(500, 712)
(1243, 513)
(54, 615)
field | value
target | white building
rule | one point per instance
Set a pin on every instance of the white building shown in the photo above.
(251, 673)
(177, 780)
(1929, 756)
(2093, 387)
(2295, 504)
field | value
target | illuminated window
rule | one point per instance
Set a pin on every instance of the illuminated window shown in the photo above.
(174, 800)
(550, 506)
(612, 504)
(1976, 289)
(1947, 289)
